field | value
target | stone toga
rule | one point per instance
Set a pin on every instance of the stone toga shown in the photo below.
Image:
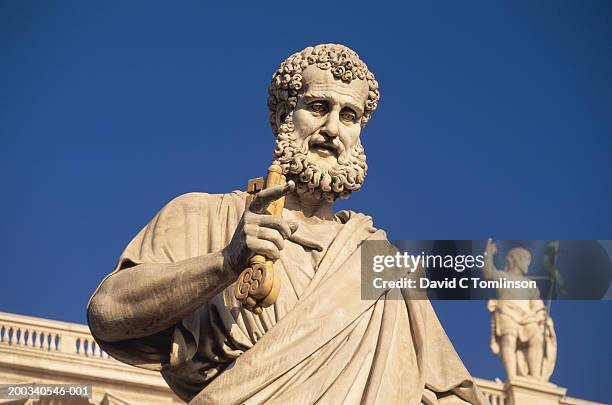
(319, 343)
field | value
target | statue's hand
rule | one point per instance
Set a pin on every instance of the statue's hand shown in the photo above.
(258, 232)
(491, 248)
(541, 316)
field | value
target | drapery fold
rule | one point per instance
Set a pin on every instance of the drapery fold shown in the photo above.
(319, 343)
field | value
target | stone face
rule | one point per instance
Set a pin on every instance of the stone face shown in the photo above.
(171, 304)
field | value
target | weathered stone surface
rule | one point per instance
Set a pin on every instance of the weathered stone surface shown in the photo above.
(170, 304)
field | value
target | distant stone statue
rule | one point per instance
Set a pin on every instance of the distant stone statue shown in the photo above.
(521, 332)
(171, 304)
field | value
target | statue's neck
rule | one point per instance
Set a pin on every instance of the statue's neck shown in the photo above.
(309, 206)
(515, 271)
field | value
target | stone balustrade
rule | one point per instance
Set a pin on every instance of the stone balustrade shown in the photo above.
(495, 398)
(47, 335)
(492, 390)
(43, 351)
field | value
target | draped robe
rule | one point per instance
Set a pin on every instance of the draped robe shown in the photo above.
(319, 343)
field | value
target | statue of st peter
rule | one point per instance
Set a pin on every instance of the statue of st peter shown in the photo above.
(169, 305)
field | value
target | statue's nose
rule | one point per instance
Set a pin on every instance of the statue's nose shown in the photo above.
(332, 125)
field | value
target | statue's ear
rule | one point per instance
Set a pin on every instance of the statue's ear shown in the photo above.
(281, 114)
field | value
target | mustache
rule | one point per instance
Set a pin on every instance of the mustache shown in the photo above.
(319, 139)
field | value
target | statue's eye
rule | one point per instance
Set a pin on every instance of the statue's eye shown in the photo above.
(318, 107)
(348, 115)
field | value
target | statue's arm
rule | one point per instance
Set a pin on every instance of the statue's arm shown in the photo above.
(490, 271)
(538, 307)
(150, 297)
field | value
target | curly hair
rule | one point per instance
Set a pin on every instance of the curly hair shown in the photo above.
(343, 63)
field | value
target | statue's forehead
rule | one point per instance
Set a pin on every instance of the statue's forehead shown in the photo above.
(316, 80)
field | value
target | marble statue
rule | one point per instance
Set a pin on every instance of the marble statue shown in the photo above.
(522, 333)
(170, 303)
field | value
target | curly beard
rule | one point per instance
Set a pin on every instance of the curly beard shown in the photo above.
(337, 181)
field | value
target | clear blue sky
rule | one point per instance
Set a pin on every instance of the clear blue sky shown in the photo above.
(495, 120)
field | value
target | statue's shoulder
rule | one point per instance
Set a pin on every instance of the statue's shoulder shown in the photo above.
(346, 216)
(198, 200)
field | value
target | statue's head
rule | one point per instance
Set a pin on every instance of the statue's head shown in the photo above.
(518, 258)
(320, 99)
